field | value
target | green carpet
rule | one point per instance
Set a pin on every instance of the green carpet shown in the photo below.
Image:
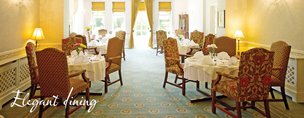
(142, 96)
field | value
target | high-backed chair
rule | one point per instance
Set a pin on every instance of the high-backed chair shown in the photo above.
(68, 44)
(113, 59)
(30, 49)
(161, 35)
(197, 37)
(54, 79)
(102, 32)
(281, 57)
(209, 39)
(251, 84)
(226, 44)
(173, 65)
(92, 50)
(122, 35)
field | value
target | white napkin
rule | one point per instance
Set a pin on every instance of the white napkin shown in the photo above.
(233, 61)
(198, 54)
(81, 53)
(93, 43)
(223, 56)
(78, 59)
(207, 60)
(74, 53)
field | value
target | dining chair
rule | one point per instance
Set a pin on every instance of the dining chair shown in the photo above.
(179, 32)
(161, 35)
(226, 44)
(68, 44)
(30, 49)
(113, 59)
(102, 32)
(91, 50)
(209, 39)
(55, 79)
(174, 66)
(251, 84)
(281, 56)
(197, 37)
(122, 35)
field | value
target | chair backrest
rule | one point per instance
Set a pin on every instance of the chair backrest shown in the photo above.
(179, 32)
(121, 35)
(30, 49)
(209, 39)
(84, 39)
(170, 50)
(281, 57)
(255, 74)
(161, 35)
(197, 37)
(68, 44)
(114, 49)
(226, 44)
(53, 73)
(102, 32)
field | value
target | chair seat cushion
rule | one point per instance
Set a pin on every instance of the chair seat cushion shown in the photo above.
(227, 87)
(275, 81)
(78, 85)
(175, 69)
(114, 67)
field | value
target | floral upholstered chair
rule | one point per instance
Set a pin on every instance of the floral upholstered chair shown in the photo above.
(55, 79)
(102, 32)
(209, 39)
(161, 35)
(180, 33)
(281, 56)
(68, 44)
(173, 64)
(226, 44)
(122, 35)
(113, 59)
(251, 84)
(30, 49)
(197, 37)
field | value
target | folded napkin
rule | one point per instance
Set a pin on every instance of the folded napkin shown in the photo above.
(74, 53)
(81, 59)
(198, 54)
(233, 61)
(93, 43)
(223, 56)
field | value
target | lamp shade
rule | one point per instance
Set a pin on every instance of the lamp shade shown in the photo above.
(238, 34)
(38, 34)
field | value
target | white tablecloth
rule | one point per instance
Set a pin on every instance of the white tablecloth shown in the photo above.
(194, 69)
(95, 68)
(101, 44)
(185, 45)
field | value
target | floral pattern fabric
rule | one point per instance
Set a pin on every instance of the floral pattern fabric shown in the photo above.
(68, 44)
(172, 56)
(32, 62)
(160, 37)
(209, 39)
(254, 77)
(197, 37)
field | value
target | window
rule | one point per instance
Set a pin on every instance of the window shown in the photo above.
(142, 24)
(118, 19)
(165, 17)
(98, 17)
(165, 21)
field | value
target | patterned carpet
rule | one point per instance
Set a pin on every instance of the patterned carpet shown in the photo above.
(142, 96)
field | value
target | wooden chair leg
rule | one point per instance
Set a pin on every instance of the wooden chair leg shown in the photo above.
(197, 85)
(184, 86)
(238, 109)
(165, 80)
(284, 97)
(67, 108)
(175, 78)
(120, 78)
(156, 50)
(87, 97)
(267, 111)
(33, 90)
(213, 95)
(106, 83)
(271, 92)
(41, 108)
(124, 55)
(206, 85)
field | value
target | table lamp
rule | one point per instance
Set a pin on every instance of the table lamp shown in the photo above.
(37, 35)
(238, 35)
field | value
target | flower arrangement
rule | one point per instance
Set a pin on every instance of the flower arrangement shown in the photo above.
(211, 49)
(88, 29)
(79, 47)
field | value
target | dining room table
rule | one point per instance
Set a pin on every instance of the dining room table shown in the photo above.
(184, 47)
(93, 64)
(100, 43)
(203, 68)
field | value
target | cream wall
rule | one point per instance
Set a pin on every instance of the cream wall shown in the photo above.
(52, 21)
(17, 21)
(267, 21)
